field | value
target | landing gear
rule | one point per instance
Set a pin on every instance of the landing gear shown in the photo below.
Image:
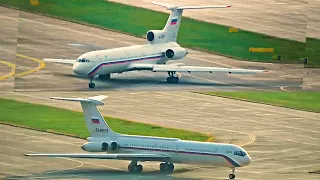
(104, 76)
(91, 84)
(134, 167)
(232, 176)
(166, 167)
(172, 78)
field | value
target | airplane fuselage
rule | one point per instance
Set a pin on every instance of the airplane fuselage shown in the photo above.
(118, 60)
(180, 151)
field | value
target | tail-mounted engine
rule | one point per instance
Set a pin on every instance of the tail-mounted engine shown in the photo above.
(175, 53)
(156, 36)
(100, 146)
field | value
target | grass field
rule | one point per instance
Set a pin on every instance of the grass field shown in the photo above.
(207, 36)
(309, 101)
(47, 118)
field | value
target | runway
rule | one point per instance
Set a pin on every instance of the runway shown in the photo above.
(39, 37)
(283, 143)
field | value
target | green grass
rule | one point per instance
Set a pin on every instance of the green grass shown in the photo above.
(47, 118)
(194, 34)
(309, 101)
(313, 52)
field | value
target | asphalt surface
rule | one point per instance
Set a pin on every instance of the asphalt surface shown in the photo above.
(40, 37)
(290, 19)
(283, 143)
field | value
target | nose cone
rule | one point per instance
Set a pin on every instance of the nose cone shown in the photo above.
(245, 160)
(82, 147)
(77, 69)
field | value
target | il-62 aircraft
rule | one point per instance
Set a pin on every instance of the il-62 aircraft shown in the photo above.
(162, 47)
(143, 148)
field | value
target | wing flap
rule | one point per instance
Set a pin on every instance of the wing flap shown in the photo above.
(141, 157)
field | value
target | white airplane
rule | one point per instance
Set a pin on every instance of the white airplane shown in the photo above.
(143, 148)
(162, 48)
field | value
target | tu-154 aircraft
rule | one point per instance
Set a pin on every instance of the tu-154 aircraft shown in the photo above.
(144, 148)
(162, 47)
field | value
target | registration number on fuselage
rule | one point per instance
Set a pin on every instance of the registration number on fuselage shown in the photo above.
(102, 130)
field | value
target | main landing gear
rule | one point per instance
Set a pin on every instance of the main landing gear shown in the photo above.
(172, 78)
(137, 168)
(166, 167)
(232, 176)
(134, 167)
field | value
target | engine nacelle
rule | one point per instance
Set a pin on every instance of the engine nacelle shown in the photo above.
(156, 36)
(175, 53)
(114, 146)
(100, 146)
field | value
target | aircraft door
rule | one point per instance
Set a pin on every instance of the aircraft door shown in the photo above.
(127, 55)
(99, 58)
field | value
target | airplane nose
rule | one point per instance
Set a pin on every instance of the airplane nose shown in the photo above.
(77, 69)
(246, 160)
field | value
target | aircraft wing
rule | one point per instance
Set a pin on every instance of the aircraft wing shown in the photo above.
(183, 68)
(139, 157)
(61, 61)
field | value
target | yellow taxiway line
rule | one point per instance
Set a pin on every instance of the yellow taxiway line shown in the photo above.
(40, 66)
(13, 67)
(11, 73)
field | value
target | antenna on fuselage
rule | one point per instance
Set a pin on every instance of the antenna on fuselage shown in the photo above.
(173, 23)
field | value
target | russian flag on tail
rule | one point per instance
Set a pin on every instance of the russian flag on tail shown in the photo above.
(95, 121)
(174, 21)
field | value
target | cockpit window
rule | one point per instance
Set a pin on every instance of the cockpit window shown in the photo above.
(83, 60)
(240, 153)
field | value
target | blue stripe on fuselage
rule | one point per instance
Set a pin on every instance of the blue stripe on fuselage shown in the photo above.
(122, 61)
(231, 161)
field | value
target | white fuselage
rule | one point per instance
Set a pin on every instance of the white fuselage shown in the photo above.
(118, 60)
(181, 151)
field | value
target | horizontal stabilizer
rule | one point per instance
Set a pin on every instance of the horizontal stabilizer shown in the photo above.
(97, 100)
(168, 6)
(171, 6)
(203, 7)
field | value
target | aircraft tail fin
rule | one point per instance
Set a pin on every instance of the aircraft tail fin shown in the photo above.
(95, 122)
(173, 22)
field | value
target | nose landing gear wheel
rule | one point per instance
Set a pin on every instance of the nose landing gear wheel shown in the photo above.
(232, 176)
(91, 85)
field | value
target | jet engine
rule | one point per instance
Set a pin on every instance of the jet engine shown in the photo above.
(156, 36)
(114, 146)
(100, 146)
(175, 53)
